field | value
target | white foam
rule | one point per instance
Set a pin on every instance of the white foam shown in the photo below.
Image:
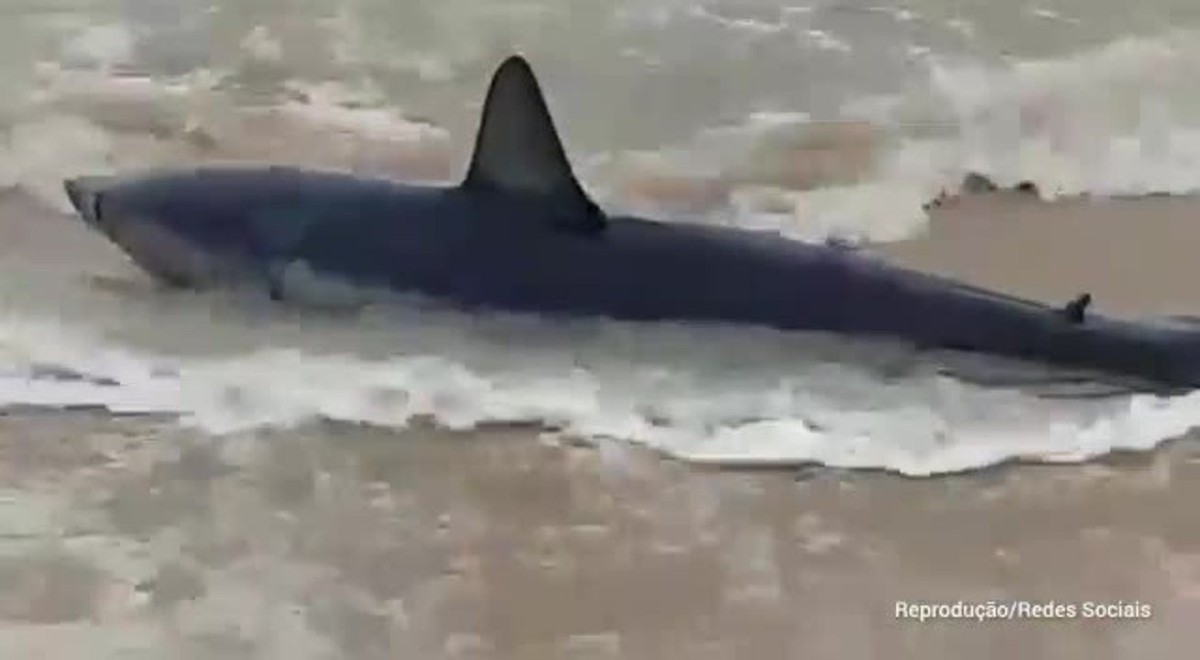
(90, 122)
(744, 25)
(1101, 121)
(1106, 121)
(664, 388)
(261, 45)
(850, 213)
(332, 106)
(826, 41)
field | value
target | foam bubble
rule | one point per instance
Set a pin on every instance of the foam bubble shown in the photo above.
(261, 45)
(102, 47)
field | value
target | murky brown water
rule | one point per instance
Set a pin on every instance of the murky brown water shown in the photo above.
(345, 543)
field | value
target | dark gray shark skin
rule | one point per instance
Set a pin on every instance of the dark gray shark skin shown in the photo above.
(520, 234)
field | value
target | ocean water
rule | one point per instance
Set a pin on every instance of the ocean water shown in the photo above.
(819, 120)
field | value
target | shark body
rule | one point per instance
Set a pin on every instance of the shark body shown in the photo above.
(521, 234)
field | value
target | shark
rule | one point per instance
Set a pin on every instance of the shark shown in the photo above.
(519, 233)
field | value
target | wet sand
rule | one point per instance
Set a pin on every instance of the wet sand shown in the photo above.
(1136, 256)
(132, 538)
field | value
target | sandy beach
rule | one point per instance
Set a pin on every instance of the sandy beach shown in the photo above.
(134, 538)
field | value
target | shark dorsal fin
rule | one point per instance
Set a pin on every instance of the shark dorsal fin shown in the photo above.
(518, 150)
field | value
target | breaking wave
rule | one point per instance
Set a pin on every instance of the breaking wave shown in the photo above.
(700, 394)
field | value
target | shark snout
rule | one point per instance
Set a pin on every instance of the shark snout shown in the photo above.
(86, 194)
(146, 236)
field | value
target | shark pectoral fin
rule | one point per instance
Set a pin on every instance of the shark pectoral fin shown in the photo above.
(299, 282)
(1076, 310)
(277, 234)
(518, 150)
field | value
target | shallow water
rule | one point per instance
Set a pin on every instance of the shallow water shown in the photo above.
(130, 538)
(835, 119)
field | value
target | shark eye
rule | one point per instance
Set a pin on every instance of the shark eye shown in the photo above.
(98, 207)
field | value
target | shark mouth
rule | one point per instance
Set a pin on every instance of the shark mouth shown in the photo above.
(172, 259)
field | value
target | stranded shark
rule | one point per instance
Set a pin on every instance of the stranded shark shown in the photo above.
(520, 234)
